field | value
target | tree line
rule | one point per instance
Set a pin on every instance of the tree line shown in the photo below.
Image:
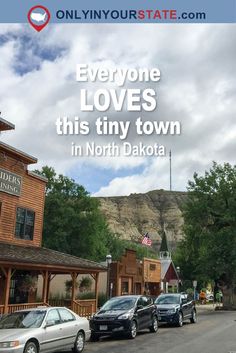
(208, 249)
(74, 224)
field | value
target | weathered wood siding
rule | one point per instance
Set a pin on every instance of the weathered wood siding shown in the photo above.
(32, 197)
(152, 270)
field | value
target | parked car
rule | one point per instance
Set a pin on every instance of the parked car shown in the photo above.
(175, 308)
(44, 329)
(126, 315)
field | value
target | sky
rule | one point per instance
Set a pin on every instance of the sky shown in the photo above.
(197, 88)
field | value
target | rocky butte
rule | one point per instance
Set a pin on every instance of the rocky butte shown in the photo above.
(134, 215)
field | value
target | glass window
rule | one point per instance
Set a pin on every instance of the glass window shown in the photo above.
(152, 267)
(119, 303)
(66, 315)
(145, 301)
(168, 299)
(24, 319)
(24, 223)
(53, 315)
(125, 287)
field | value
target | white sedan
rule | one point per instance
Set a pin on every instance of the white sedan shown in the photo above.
(43, 330)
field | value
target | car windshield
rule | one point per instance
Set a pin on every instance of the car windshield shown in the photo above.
(23, 319)
(168, 299)
(119, 304)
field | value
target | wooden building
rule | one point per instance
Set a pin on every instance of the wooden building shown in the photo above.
(132, 276)
(22, 258)
(152, 276)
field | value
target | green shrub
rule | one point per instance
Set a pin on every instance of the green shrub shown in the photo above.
(85, 284)
(87, 295)
(189, 291)
(102, 298)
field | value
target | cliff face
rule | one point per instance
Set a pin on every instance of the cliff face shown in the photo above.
(134, 215)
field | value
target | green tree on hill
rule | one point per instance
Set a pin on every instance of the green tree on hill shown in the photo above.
(73, 222)
(208, 250)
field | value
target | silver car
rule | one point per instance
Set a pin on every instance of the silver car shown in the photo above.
(44, 329)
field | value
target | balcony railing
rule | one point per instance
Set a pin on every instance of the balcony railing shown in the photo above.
(85, 308)
(15, 307)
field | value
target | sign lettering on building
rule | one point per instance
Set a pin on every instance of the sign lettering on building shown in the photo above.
(10, 182)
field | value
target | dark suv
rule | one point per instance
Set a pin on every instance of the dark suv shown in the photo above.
(126, 314)
(175, 308)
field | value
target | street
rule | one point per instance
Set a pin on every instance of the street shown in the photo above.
(215, 332)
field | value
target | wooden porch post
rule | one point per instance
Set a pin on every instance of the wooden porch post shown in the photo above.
(48, 287)
(45, 287)
(96, 289)
(73, 276)
(7, 290)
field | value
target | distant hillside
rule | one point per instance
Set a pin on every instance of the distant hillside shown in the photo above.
(134, 215)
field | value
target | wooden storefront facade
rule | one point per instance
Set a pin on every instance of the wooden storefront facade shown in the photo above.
(132, 276)
(22, 258)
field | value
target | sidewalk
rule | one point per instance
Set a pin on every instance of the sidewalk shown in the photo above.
(208, 306)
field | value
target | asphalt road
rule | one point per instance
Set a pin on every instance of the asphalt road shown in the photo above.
(215, 332)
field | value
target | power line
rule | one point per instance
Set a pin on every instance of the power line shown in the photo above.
(170, 172)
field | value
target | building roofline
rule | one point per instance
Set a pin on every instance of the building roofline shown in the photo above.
(40, 257)
(6, 125)
(37, 176)
(24, 157)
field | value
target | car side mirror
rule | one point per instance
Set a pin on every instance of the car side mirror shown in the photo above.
(49, 323)
(184, 300)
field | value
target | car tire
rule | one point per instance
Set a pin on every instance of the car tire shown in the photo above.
(180, 320)
(154, 326)
(133, 329)
(94, 337)
(193, 318)
(31, 347)
(79, 342)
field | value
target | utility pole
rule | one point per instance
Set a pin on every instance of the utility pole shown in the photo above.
(170, 172)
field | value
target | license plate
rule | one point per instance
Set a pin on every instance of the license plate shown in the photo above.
(103, 327)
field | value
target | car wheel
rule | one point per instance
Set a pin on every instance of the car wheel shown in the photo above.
(94, 337)
(180, 320)
(133, 329)
(31, 347)
(193, 319)
(154, 326)
(79, 342)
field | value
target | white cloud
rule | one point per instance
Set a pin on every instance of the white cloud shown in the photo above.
(197, 87)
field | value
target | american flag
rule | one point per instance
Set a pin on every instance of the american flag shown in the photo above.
(146, 240)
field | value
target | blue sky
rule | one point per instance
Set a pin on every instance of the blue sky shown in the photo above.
(197, 88)
(93, 178)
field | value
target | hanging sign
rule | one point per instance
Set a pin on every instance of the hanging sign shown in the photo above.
(10, 182)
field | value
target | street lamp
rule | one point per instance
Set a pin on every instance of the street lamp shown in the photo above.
(109, 287)
(178, 272)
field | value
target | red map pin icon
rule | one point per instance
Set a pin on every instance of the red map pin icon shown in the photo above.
(38, 17)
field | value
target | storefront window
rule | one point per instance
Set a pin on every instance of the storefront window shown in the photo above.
(152, 267)
(125, 287)
(24, 224)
